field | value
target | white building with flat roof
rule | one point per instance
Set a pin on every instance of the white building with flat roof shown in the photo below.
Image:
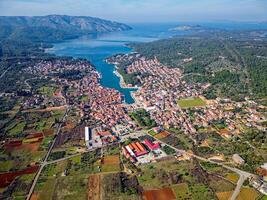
(87, 136)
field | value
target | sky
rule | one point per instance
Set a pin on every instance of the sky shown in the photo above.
(142, 10)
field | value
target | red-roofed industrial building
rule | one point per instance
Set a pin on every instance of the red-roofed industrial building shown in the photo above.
(152, 146)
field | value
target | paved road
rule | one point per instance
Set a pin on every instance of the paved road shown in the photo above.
(239, 184)
(3, 74)
(27, 84)
(243, 175)
(44, 163)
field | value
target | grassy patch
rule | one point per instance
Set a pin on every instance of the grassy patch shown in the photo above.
(151, 132)
(71, 187)
(47, 190)
(16, 128)
(111, 164)
(191, 102)
(76, 159)
(200, 191)
(6, 165)
(156, 175)
(48, 91)
(233, 177)
(221, 185)
(181, 191)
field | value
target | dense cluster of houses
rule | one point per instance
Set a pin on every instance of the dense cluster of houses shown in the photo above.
(161, 88)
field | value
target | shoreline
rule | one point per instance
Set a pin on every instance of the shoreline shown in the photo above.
(122, 82)
(123, 85)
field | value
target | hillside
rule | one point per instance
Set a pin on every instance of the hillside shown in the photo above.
(233, 62)
(54, 27)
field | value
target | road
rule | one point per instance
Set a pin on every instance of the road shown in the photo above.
(44, 163)
(27, 84)
(239, 184)
(243, 175)
(3, 74)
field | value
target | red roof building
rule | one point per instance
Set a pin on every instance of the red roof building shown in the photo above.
(151, 145)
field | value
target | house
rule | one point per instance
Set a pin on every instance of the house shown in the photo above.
(238, 160)
(104, 133)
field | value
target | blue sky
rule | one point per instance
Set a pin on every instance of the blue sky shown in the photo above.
(143, 10)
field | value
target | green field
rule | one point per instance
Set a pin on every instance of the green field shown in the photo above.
(181, 191)
(48, 91)
(191, 102)
(151, 132)
(233, 177)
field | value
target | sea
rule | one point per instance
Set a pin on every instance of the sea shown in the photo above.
(96, 48)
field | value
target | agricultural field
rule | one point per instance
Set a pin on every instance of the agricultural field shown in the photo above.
(224, 195)
(57, 181)
(233, 177)
(110, 163)
(27, 138)
(191, 102)
(160, 194)
(48, 91)
(248, 194)
(162, 135)
(94, 187)
(181, 191)
(187, 179)
(16, 184)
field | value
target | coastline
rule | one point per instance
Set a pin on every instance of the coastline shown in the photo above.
(123, 85)
(122, 82)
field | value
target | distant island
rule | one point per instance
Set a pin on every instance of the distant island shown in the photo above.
(185, 28)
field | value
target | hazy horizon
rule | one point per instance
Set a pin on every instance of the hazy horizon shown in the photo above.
(143, 11)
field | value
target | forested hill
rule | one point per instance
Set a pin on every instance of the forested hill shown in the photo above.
(29, 36)
(54, 27)
(234, 62)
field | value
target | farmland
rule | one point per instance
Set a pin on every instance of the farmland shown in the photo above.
(27, 134)
(224, 195)
(94, 187)
(191, 102)
(187, 179)
(160, 194)
(110, 163)
(181, 191)
(248, 194)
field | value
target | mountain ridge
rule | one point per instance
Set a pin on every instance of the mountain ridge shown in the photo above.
(55, 27)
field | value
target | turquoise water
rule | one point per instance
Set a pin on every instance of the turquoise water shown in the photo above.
(98, 47)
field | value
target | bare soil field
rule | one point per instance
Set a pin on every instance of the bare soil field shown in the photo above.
(115, 159)
(34, 196)
(94, 187)
(161, 194)
(7, 178)
(162, 135)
